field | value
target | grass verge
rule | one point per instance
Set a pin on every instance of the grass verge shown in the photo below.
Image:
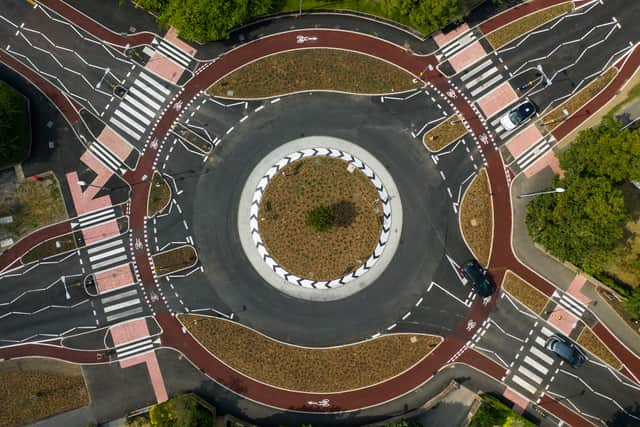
(476, 217)
(34, 388)
(524, 292)
(508, 33)
(313, 69)
(554, 118)
(619, 308)
(159, 195)
(50, 247)
(493, 412)
(320, 182)
(444, 134)
(34, 205)
(15, 133)
(591, 342)
(317, 370)
(174, 260)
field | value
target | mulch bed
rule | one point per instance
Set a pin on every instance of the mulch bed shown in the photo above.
(591, 342)
(174, 260)
(524, 292)
(317, 370)
(67, 242)
(159, 195)
(307, 184)
(513, 30)
(445, 134)
(31, 391)
(555, 117)
(476, 217)
(313, 69)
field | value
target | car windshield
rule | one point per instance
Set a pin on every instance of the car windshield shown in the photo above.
(516, 117)
(564, 351)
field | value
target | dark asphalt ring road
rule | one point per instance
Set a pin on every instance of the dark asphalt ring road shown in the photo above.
(427, 216)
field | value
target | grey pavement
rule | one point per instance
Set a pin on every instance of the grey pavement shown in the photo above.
(559, 273)
(451, 411)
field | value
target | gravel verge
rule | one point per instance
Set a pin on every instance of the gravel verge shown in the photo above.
(313, 69)
(159, 195)
(445, 134)
(591, 342)
(524, 292)
(319, 370)
(476, 217)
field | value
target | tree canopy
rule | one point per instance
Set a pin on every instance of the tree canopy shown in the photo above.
(431, 15)
(15, 135)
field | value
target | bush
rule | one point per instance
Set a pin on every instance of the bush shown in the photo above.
(320, 218)
(632, 304)
(180, 411)
(492, 413)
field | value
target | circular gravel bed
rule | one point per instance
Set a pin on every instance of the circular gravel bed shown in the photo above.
(320, 182)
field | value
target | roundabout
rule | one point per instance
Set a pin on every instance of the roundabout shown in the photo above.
(317, 223)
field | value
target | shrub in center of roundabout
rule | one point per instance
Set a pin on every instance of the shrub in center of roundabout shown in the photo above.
(320, 218)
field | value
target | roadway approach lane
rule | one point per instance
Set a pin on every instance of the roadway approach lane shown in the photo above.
(572, 50)
(207, 194)
(514, 338)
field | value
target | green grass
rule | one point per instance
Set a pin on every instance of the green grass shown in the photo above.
(633, 94)
(15, 127)
(492, 412)
(48, 248)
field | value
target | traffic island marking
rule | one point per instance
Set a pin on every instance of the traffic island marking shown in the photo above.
(476, 218)
(315, 70)
(508, 33)
(174, 260)
(444, 134)
(159, 195)
(51, 247)
(330, 369)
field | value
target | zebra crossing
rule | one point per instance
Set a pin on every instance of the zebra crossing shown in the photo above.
(533, 153)
(139, 106)
(121, 304)
(456, 45)
(107, 158)
(136, 347)
(570, 303)
(481, 78)
(529, 373)
(175, 54)
(94, 218)
(107, 253)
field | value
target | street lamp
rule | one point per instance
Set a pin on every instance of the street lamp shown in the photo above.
(86, 184)
(537, 193)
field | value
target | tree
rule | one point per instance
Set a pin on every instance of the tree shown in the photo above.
(605, 151)
(180, 411)
(431, 15)
(207, 20)
(582, 225)
(320, 218)
(632, 304)
(14, 126)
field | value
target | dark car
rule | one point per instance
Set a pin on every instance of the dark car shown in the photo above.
(567, 350)
(473, 272)
(513, 118)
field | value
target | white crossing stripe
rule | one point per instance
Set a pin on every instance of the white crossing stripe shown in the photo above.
(142, 97)
(98, 248)
(130, 102)
(540, 341)
(491, 71)
(527, 373)
(109, 262)
(486, 85)
(458, 44)
(476, 70)
(125, 128)
(172, 54)
(94, 221)
(546, 332)
(531, 155)
(525, 385)
(537, 366)
(570, 303)
(132, 345)
(94, 214)
(149, 90)
(121, 305)
(544, 357)
(123, 314)
(107, 254)
(140, 117)
(130, 122)
(116, 297)
(144, 346)
(102, 156)
(154, 83)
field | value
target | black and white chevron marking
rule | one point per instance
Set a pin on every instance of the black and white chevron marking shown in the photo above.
(255, 228)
